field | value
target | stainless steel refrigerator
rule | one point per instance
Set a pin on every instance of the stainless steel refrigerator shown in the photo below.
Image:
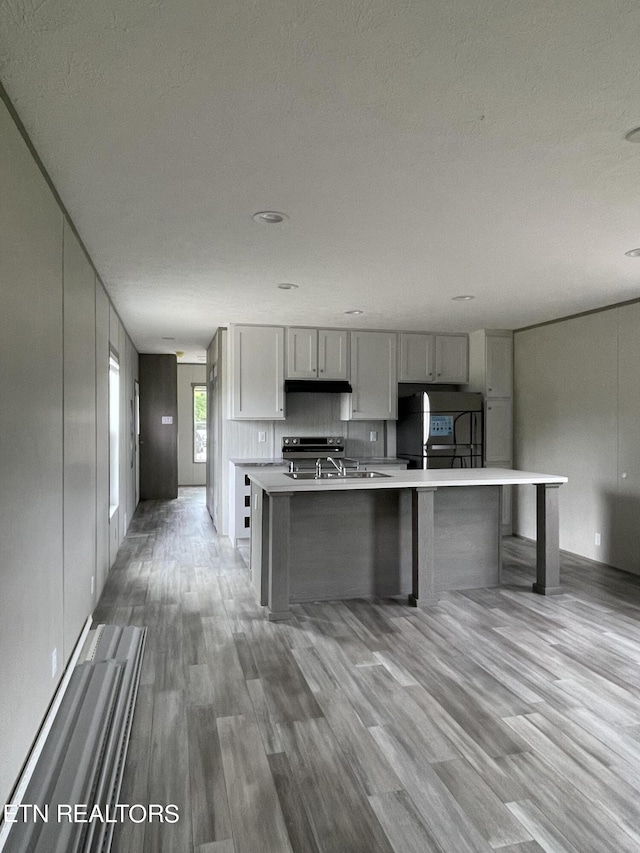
(440, 429)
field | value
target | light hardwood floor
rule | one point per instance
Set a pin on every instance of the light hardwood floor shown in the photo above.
(497, 720)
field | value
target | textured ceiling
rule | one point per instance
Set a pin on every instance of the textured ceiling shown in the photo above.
(422, 149)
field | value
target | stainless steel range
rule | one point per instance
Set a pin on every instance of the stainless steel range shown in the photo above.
(295, 448)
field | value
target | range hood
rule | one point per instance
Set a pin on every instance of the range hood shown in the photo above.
(322, 386)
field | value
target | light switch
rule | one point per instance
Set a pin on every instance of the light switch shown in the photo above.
(262, 435)
(167, 419)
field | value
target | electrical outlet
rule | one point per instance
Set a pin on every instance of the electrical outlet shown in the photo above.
(373, 435)
(54, 663)
(598, 539)
(262, 435)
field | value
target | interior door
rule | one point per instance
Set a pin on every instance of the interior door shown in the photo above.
(136, 437)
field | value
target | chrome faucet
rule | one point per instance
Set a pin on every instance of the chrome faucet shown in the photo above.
(337, 465)
(356, 464)
(318, 467)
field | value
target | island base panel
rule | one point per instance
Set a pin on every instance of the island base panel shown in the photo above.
(468, 538)
(359, 544)
(352, 544)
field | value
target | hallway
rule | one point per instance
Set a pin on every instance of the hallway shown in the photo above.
(496, 720)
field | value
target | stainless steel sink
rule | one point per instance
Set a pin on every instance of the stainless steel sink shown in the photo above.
(303, 475)
(334, 475)
(364, 475)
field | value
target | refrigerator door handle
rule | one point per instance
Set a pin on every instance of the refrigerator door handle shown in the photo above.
(426, 420)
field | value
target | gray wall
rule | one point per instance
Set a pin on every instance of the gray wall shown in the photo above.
(102, 436)
(190, 473)
(79, 465)
(577, 410)
(54, 331)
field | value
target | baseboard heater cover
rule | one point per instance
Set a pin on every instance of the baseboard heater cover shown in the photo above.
(82, 761)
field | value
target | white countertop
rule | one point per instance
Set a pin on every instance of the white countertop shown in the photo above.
(277, 481)
(270, 462)
(258, 463)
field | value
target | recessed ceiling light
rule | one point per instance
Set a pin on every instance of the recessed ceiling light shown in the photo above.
(354, 312)
(633, 135)
(269, 217)
(633, 253)
(465, 297)
(288, 286)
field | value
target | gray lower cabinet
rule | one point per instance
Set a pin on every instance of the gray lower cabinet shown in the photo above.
(240, 499)
(498, 430)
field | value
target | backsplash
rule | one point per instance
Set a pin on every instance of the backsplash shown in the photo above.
(307, 414)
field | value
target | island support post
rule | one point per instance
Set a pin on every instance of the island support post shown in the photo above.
(548, 540)
(279, 534)
(422, 549)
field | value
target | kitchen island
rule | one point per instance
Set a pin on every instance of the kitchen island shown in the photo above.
(414, 533)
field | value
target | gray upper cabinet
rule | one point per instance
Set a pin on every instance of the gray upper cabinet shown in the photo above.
(452, 358)
(499, 365)
(417, 357)
(491, 362)
(302, 353)
(257, 372)
(427, 357)
(317, 353)
(333, 354)
(373, 378)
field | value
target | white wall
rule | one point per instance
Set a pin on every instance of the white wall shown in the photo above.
(577, 412)
(55, 324)
(190, 473)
